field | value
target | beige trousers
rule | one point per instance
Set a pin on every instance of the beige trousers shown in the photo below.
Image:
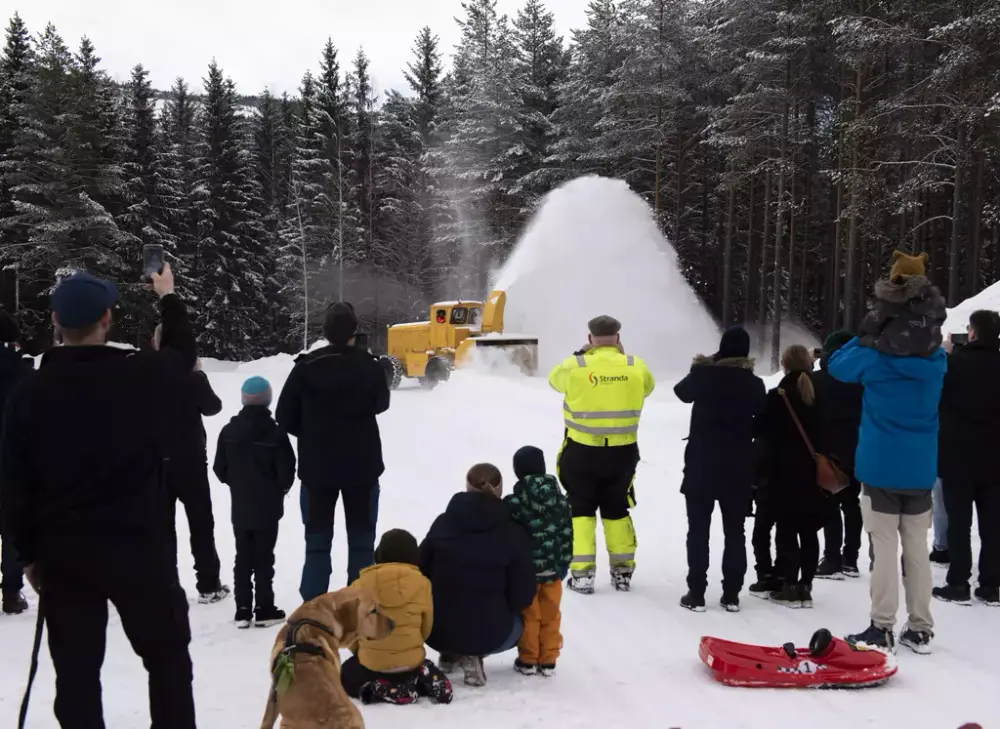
(885, 532)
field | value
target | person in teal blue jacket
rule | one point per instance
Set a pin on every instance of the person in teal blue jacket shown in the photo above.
(896, 461)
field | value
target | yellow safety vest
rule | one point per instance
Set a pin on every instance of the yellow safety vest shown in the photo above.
(605, 391)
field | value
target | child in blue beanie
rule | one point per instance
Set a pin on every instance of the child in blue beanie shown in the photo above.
(255, 459)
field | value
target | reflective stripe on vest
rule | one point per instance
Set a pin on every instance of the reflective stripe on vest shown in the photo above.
(571, 415)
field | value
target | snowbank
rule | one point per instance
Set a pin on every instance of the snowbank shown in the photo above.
(958, 318)
(593, 248)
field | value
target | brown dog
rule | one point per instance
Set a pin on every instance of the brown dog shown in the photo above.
(310, 641)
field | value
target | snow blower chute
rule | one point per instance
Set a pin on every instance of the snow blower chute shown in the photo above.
(455, 333)
(828, 662)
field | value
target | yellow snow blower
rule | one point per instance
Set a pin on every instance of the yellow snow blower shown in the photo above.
(455, 332)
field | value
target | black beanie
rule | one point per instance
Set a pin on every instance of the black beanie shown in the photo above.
(836, 340)
(340, 324)
(735, 343)
(529, 461)
(398, 545)
(8, 327)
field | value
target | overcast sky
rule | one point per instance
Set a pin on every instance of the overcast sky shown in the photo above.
(259, 43)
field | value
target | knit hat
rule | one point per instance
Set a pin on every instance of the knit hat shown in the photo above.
(529, 461)
(904, 266)
(340, 324)
(256, 391)
(397, 545)
(836, 340)
(80, 300)
(8, 327)
(735, 343)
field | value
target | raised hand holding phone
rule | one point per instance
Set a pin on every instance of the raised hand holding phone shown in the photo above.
(163, 283)
(152, 261)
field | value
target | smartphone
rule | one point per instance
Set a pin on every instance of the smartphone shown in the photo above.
(152, 260)
(960, 338)
(361, 340)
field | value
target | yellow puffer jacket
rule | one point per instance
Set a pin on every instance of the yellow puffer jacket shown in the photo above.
(404, 595)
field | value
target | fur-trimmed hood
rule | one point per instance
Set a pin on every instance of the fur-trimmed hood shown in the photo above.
(746, 363)
(912, 287)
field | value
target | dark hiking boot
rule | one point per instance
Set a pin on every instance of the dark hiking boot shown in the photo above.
(830, 570)
(789, 596)
(244, 616)
(474, 670)
(547, 670)
(988, 595)
(918, 641)
(806, 594)
(621, 578)
(941, 557)
(875, 638)
(213, 596)
(448, 663)
(265, 617)
(433, 684)
(764, 586)
(851, 568)
(694, 603)
(730, 602)
(14, 603)
(383, 691)
(525, 669)
(581, 582)
(957, 594)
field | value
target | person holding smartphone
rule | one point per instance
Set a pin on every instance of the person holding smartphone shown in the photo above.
(82, 497)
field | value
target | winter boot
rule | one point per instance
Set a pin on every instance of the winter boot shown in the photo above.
(244, 616)
(829, 569)
(216, 595)
(447, 662)
(14, 603)
(917, 640)
(988, 596)
(789, 595)
(265, 617)
(525, 669)
(730, 602)
(940, 557)
(957, 594)
(851, 568)
(764, 586)
(694, 603)
(475, 672)
(547, 670)
(874, 637)
(432, 683)
(621, 577)
(383, 691)
(806, 594)
(581, 582)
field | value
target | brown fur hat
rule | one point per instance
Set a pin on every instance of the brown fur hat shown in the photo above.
(904, 266)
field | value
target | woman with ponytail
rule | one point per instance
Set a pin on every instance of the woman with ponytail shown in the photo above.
(800, 505)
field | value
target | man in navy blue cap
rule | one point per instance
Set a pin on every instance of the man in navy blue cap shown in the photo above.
(82, 497)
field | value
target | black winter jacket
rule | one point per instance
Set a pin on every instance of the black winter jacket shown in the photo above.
(85, 438)
(13, 368)
(329, 402)
(187, 436)
(480, 567)
(791, 487)
(970, 415)
(906, 318)
(255, 459)
(842, 404)
(727, 396)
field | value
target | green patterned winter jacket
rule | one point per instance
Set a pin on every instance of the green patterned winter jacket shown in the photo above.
(539, 505)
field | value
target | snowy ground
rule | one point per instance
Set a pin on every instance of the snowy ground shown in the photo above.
(629, 659)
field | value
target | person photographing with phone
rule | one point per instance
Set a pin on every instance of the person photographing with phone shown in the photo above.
(82, 496)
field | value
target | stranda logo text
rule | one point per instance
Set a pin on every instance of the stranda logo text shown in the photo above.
(596, 380)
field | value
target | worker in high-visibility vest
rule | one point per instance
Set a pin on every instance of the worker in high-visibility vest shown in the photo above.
(605, 390)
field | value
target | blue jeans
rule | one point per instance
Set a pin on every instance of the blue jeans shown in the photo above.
(11, 569)
(940, 518)
(361, 515)
(512, 640)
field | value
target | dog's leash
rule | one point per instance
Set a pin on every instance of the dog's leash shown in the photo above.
(22, 717)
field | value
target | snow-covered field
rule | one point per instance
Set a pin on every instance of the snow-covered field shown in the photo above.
(629, 659)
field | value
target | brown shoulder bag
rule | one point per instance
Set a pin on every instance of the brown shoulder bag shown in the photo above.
(829, 475)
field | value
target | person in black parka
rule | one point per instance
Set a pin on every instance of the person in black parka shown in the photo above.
(800, 505)
(255, 459)
(482, 576)
(719, 461)
(842, 404)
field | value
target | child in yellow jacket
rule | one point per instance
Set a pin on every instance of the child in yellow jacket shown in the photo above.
(395, 670)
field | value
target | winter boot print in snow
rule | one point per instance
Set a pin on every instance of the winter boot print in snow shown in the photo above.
(581, 582)
(433, 684)
(244, 616)
(988, 596)
(875, 638)
(829, 570)
(918, 641)
(382, 691)
(475, 672)
(621, 578)
(447, 663)
(217, 595)
(14, 603)
(957, 594)
(694, 603)
(525, 669)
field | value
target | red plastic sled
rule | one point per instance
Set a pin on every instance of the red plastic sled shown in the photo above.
(828, 662)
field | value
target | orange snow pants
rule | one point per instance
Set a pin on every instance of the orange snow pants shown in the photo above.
(541, 640)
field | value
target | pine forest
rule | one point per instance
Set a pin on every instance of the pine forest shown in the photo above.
(785, 148)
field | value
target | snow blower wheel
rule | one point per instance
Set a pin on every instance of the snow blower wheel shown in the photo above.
(393, 371)
(820, 643)
(438, 370)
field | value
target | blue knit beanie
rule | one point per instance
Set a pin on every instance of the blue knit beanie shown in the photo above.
(256, 391)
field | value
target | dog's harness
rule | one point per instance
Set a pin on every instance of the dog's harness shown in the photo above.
(293, 646)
